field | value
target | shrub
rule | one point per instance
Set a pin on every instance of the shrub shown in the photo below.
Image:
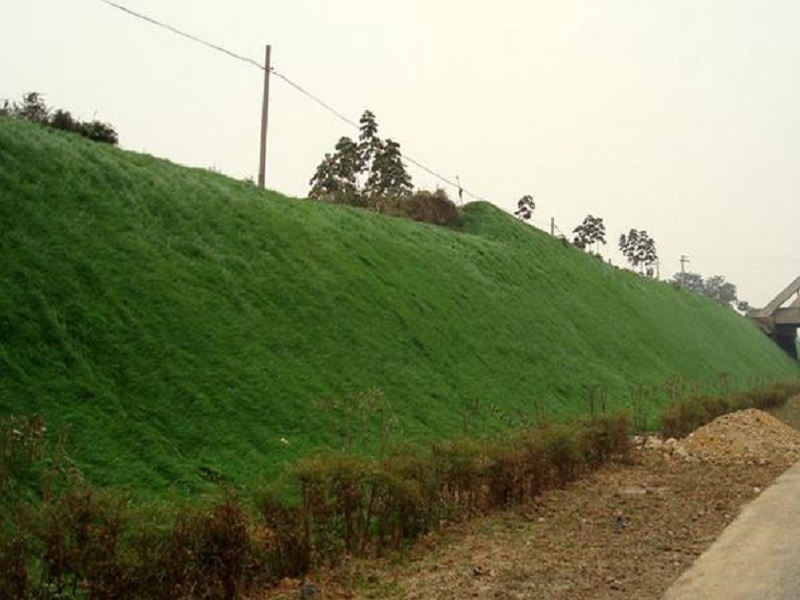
(333, 492)
(14, 552)
(78, 535)
(22, 448)
(428, 207)
(604, 438)
(33, 108)
(507, 471)
(682, 417)
(406, 497)
(285, 547)
(222, 551)
(459, 468)
(562, 445)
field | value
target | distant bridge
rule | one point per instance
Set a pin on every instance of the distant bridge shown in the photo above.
(781, 322)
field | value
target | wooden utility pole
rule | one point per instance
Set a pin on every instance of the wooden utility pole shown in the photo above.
(684, 260)
(262, 167)
(552, 226)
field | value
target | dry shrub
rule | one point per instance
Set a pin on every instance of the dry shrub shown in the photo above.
(205, 551)
(333, 489)
(222, 548)
(424, 206)
(284, 547)
(770, 397)
(405, 494)
(538, 471)
(684, 416)
(14, 550)
(508, 471)
(79, 534)
(562, 444)
(460, 466)
(22, 446)
(604, 438)
(398, 512)
(157, 554)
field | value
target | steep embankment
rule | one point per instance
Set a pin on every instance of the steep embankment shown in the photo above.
(182, 323)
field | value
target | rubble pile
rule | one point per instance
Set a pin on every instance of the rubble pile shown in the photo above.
(748, 436)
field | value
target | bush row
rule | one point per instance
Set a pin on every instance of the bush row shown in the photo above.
(684, 415)
(61, 538)
(34, 109)
(76, 541)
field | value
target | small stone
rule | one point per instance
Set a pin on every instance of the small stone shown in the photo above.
(619, 523)
(308, 590)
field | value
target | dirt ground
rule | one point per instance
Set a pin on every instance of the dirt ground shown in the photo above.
(626, 531)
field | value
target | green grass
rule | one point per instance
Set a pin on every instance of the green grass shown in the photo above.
(177, 320)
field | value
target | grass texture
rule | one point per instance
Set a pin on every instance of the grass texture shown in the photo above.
(184, 325)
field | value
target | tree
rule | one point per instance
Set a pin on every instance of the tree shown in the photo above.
(689, 281)
(525, 208)
(360, 173)
(720, 290)
(32, 109)
(336, 178)
(639, 250)
(388, 176)
(714, 287)
(591, 231)
(62, 119)
(369, 144)
(97, 131)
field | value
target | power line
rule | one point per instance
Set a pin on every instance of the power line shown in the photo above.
(183, 33)
(288, 81)
(319, 101)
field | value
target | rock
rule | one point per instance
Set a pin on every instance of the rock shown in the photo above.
(309, 590)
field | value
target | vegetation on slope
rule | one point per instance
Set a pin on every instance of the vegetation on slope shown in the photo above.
(183, 324)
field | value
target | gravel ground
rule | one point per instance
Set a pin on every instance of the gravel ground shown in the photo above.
(626, 531)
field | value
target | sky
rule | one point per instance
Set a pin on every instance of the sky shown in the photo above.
(681, 118)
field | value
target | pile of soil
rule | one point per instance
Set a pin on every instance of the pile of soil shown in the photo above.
(626, 531)
(746, 436)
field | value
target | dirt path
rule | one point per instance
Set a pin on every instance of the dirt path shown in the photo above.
(625, 531)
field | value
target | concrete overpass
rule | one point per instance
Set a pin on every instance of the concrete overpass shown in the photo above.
(780, 318)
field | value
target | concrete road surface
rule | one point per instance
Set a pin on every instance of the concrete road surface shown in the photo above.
(757, 557)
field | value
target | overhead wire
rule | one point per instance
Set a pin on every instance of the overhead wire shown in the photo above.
(183, 33)
(461, 189)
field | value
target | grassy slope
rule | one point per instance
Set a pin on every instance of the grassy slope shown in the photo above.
(176, 319)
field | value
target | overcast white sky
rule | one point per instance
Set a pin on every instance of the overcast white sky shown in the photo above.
(681, 117)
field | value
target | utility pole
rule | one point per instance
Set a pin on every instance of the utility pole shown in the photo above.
(552, 226)
(684, 260)
(262, 167)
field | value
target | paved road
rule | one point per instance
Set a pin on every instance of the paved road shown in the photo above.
(757, 557)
